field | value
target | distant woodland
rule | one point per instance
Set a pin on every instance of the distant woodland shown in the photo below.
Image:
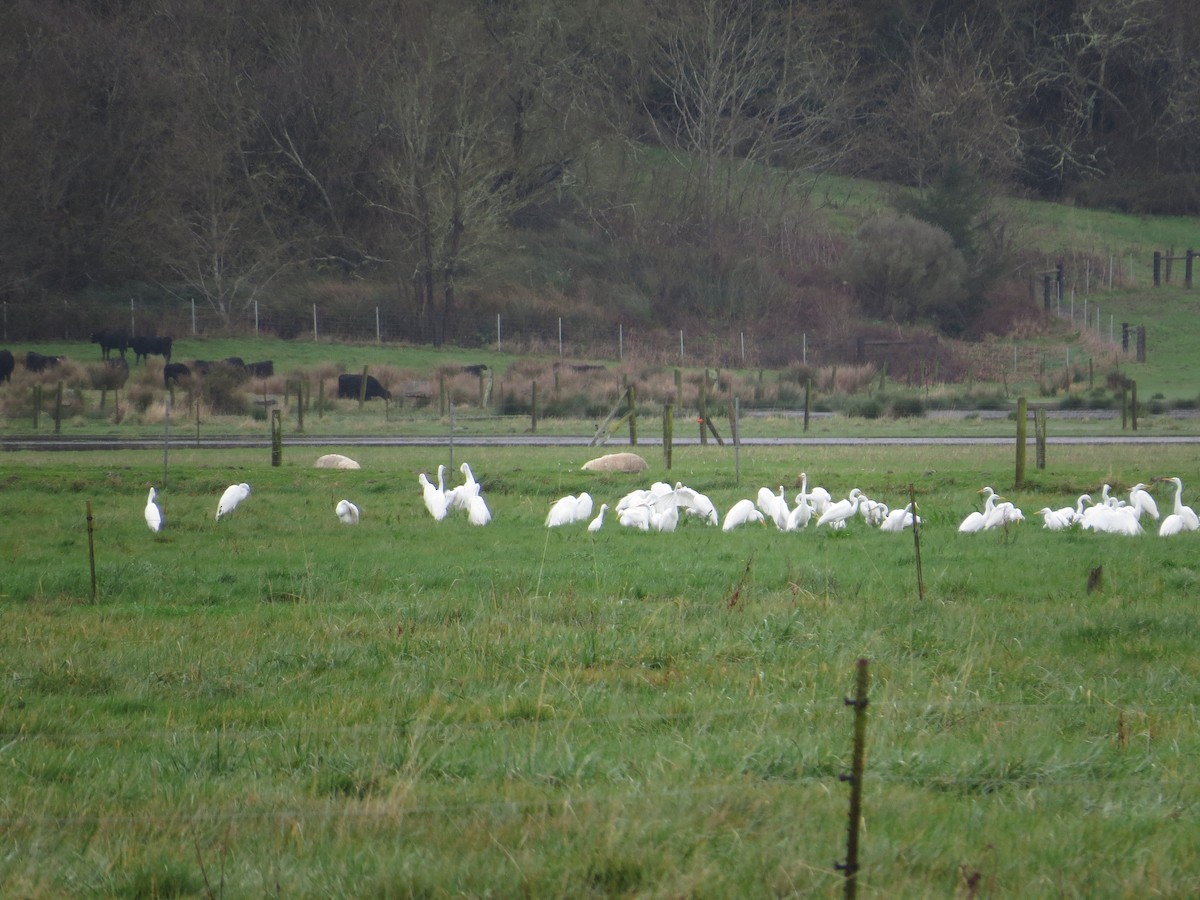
(228, 149)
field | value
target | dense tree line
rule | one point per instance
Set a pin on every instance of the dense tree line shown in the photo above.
(224, 147)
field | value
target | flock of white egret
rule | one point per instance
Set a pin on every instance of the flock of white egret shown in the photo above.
(658, 508)
(1115, 516)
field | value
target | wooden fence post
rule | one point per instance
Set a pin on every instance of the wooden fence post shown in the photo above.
(1019, 477)
(631, 396)
(58, 397)
(91, 552)
(533, 408)
(668, 433)
(276, 438)
(850, 867)
(1133, 410)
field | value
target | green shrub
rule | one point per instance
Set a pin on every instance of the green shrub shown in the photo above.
(907, 408)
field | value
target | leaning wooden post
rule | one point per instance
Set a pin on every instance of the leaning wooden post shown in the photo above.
(92, 552)
(1039, 433)
(1019, 478)
(276, 438)
(58, 409)
(300, 406)
(362, 389)
(631, 396)
(668, 428)
(850, 866)
(702, 408)
(533, 409)
(1133, 404)
(1124, 408)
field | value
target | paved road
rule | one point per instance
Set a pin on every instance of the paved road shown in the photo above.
(241, 442)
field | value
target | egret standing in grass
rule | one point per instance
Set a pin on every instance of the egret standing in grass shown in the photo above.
(740, 513)
(597, 523)
(837, 514)
(234, 494)
(154, 516)
(347, 512)
(434, 496)
(1182, 518)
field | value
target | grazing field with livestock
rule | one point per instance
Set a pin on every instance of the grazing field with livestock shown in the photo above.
(294, 701)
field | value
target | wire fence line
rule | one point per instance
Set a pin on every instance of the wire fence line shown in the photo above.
(761, 344)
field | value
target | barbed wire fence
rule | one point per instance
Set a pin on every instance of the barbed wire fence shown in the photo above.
(1068, 289)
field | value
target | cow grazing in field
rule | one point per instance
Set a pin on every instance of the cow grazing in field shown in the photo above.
(143, 347)
(350, 386)
(111, 339)
(264, 369)
(35, 362)
(7, 364)
(176, 372)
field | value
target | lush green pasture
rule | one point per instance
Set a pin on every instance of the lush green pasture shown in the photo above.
(280, 705)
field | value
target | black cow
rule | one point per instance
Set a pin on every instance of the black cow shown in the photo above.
(235, 362)
(144, 346)
(175, 372)
(35, 362)
(350, 386)
(264, 369)
(111, 339)
(7, 364)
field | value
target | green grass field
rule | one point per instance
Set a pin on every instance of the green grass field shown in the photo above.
(279, 705)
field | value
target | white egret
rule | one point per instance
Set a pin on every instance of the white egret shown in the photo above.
(1141, 501)
(1053, 519)
(696, 504)
(597, 523)
(664, 513)
(837, 513)
(740, 513)
(899, 519)
(635, 517)
(477, 510)
(1002, 514)
(818, 498)
(562, 512)
(773, 506)
(434, 497)
(154, 516)
(583, 507)
(800, 515)
(873, 511)
(1182, 518)
(347, 512)
(234, 494)
(975, 521)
